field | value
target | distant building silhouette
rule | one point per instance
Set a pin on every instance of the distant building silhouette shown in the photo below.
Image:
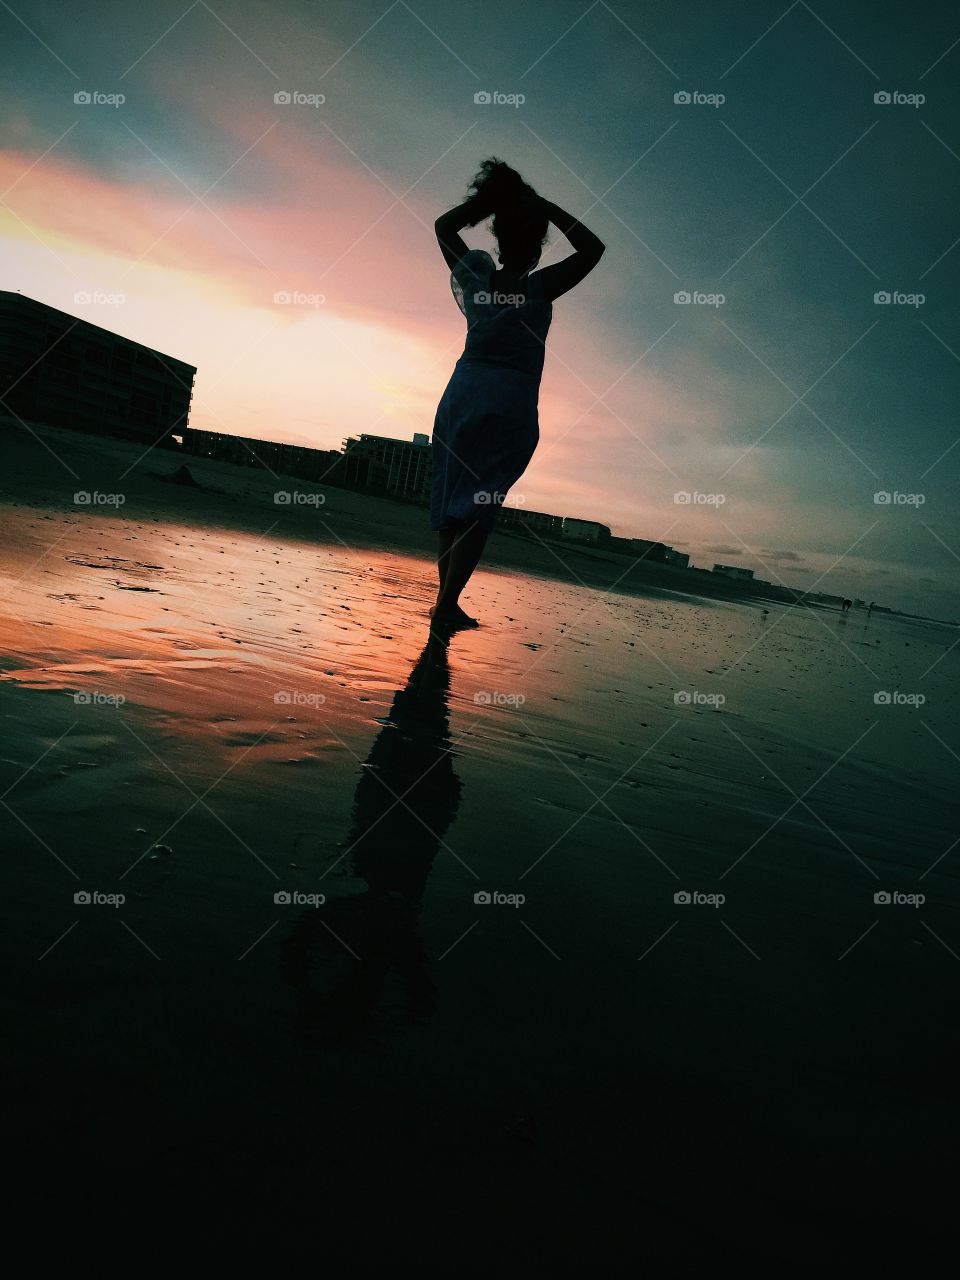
(317, 465)
(735, 571)
(591, 531)
(58, 371)
(400, 467)
(540, 523)
(645, 549)
(642, 549)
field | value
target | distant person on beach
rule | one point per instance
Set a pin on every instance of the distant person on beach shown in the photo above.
(486, 427)
(846, 606)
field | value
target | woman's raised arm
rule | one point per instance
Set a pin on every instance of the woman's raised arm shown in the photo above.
(588, 250)
(447, 226)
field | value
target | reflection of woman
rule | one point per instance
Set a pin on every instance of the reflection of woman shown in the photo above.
(406, 798)
(486, 426)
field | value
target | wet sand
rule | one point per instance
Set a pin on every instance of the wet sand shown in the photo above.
(200, 717)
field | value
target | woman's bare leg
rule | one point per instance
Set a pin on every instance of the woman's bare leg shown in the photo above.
(446, 537)
(460, 552)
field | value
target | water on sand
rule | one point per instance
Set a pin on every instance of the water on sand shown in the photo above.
(212, 724)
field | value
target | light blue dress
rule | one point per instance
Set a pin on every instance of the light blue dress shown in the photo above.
(487, 426)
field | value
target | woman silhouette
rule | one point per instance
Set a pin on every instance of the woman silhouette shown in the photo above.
(486, 428)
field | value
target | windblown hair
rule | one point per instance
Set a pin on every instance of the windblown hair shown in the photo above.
(520, 221)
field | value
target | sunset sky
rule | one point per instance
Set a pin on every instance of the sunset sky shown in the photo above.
(187, 208)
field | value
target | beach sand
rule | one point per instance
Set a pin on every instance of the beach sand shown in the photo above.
(208, 702)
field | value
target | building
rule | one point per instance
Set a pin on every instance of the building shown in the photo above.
(540, 523)
(59, 371)
(679, 559)
(584, 531)
(823, 597)
(378, 464)
(735, 571)
(402, 468)
(647, 549)
(638, 548)
(266, 455)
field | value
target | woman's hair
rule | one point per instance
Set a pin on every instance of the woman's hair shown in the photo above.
(520, 220)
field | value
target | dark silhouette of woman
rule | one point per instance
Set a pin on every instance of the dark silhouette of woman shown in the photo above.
(486, 428)
(407, 796)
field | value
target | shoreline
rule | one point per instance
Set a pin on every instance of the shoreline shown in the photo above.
(347, 515)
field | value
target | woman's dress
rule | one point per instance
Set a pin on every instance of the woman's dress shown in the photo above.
(487, 427)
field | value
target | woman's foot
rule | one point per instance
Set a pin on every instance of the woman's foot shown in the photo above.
(451, 618)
